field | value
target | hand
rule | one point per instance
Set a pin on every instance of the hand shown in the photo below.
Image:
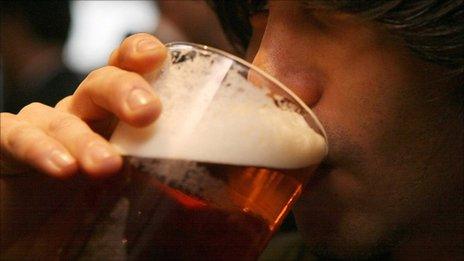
(70, 137)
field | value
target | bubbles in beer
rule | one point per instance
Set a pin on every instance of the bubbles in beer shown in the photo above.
(188, 176)
(213, 113)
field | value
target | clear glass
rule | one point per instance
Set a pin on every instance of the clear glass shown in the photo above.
(216, 174)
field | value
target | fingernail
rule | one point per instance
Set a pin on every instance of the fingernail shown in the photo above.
(99, 154)
(146, 45)
(100, 160)
(60, 160)
(138, 98)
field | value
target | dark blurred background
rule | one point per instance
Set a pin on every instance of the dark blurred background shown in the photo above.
(48, 46)
(33, 35)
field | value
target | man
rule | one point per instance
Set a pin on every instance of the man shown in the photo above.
(384, 78)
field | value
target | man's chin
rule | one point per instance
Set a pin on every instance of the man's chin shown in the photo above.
(327, 226)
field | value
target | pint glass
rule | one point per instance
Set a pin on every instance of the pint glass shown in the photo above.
(215, 175)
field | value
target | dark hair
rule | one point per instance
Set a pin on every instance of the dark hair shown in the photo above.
(433, 29)
(49, 20)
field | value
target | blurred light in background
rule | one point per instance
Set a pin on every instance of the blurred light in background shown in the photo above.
(99, 26)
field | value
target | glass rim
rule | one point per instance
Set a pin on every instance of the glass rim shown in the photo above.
(262, 72)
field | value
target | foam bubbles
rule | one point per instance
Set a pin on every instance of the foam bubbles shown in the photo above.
(212, 113)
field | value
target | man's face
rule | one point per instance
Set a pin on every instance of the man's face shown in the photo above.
(390, 164)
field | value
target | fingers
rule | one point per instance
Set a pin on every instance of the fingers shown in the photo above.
(67, 137)
(27, 143)
(141, 53)
(59, 142)
(119, 89)
(110, 90)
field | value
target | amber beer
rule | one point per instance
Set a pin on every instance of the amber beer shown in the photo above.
(208, 212)
(215, 175)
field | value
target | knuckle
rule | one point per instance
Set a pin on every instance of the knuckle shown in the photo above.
(95, 79)
(95, 74)
(19, 136)
(63, 103)
(32, 107)
(129, 76)
(6, 116)
(99, 73)
(125, 80)
(88, 138)
(63, 123)
(71, 130)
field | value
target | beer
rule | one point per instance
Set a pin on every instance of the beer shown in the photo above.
(186, 221)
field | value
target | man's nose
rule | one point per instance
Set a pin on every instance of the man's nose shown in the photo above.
(294, 72)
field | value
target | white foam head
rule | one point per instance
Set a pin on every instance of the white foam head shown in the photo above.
(212, 113)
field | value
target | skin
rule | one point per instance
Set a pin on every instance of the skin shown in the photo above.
(393, 178)
(394, 170)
